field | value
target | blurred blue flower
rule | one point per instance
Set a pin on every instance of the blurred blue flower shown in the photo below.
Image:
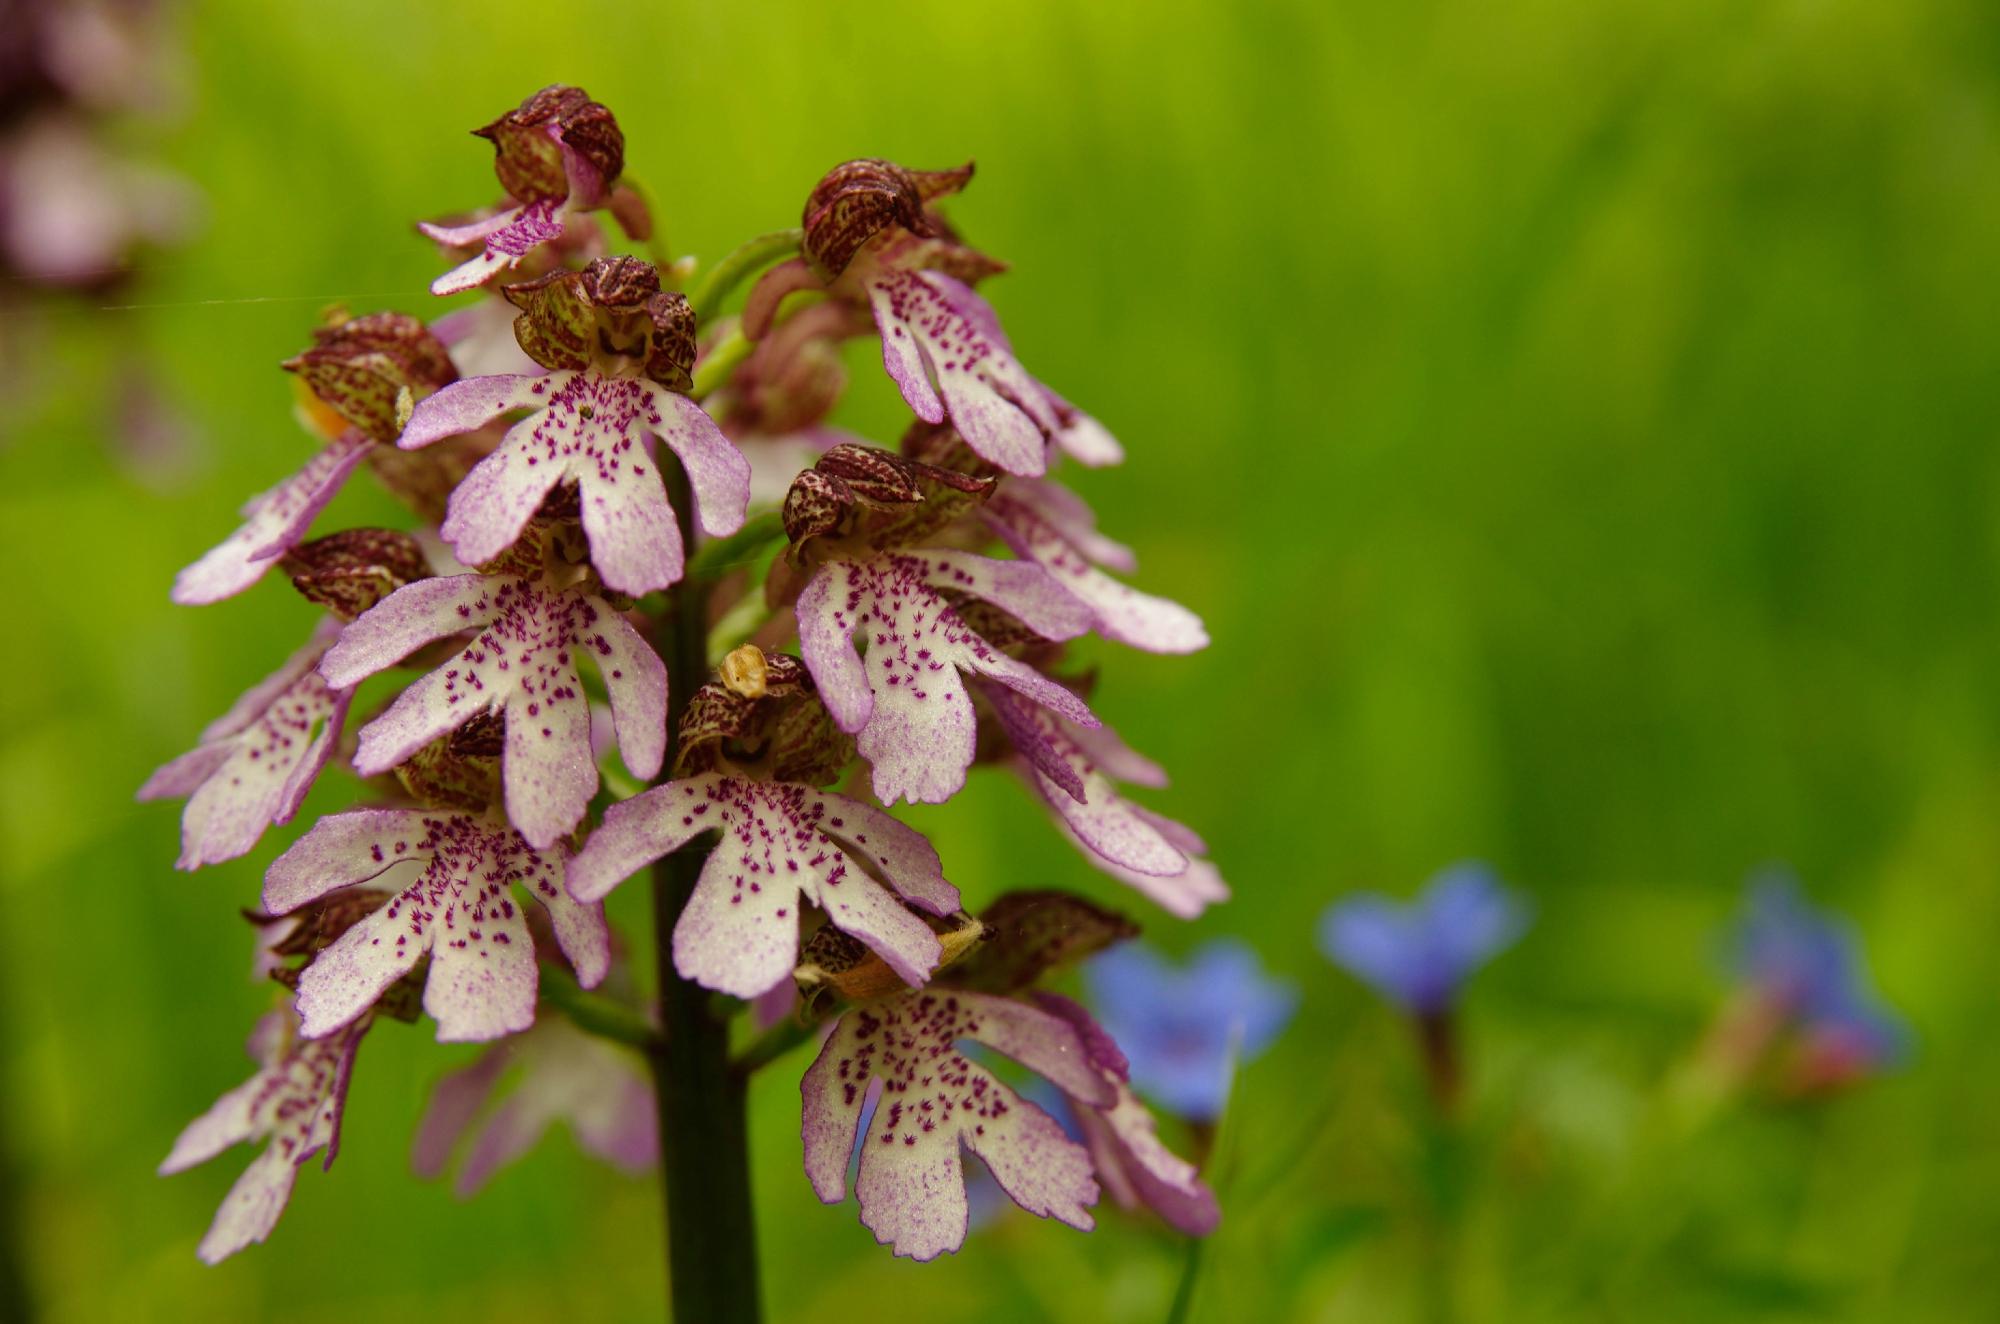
(1417, 954)
(1809, 963)
(1182, 1027)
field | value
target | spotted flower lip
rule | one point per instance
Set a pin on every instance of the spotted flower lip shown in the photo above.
(1075, 770)
(459, 910)
(521, 663)
(597, 432)
(936, 1101)
(781, 844)
(1182, 1027)
(1050, 526)
(558, 1073)
(295, 1100)
(256, 762)
(1133, 1166)
(1810, 965)
(1418, 955)
(904, 699)
(558, 153)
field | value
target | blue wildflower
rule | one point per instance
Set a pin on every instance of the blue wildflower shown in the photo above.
(1181, 1026)
(1809, 965)
(1417, 954)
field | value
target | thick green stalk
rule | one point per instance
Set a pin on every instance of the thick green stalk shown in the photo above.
(704, 1141)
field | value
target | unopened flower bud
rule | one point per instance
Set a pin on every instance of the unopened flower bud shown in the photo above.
(611, 317)
(858, 200)
(363, 368)
(543, 145)
(351, 571)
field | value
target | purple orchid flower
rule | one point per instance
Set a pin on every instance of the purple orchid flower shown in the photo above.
(522, 663)
(597, 431)
(295, 1101)
(782, 844)
(936, 1100)
(557, 154)
(560, 1073)
(1182, 1028)
(459, 910)
(904, 700)
(1417, 955)
(256, 762)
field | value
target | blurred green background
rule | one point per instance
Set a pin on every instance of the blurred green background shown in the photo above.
(1574, 421)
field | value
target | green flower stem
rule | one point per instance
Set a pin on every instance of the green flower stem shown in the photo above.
(600, 1015)
(704, 1139)
(715, 369)
(727, 274)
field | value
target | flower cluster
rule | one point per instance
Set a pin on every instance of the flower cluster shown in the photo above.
(604, 477)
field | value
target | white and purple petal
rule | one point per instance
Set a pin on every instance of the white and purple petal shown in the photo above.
(274, 522)
(1122, 612)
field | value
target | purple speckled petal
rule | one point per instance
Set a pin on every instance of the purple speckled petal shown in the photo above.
(636, 832)
(581, 932)
(547, 769)
(1065, 512)
(518, 233)
(405, 621)
(826, 611)
(257, 762)
(903, 855)
(341, 850)
(470, 403)
(295, 1100)
(1101, 818)
(905, 699)
(739, 931)
(718, 475)
(468, 232)
(600, 1089)
(456, 1100)
(274, 523)
(911, 1185)
(936, 344)
(1183, 895)
(1082, 437)
(490, 506)
(460, 909)
(635, 680)
(1122, 613)
(1021, 588)
(1118, 760)
(1040, 1041)
(1134, 1167)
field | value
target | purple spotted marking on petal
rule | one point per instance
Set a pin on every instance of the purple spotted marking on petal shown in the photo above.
(1123, 613)
(295, 1102)
(781, 843)
(939, 346)
(934, 1102)
(509, 236)
(461, 909)
(903, 695)
(255, 764)
(522, 662)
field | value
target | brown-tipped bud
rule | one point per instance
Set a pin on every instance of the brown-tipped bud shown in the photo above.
(361, 368)
(611, 316)
(528, 144)
(350, 571)
(816, 504)
(858, 200)
(871, 473)
(837, 966)
(1029, 934)
(784, 733)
